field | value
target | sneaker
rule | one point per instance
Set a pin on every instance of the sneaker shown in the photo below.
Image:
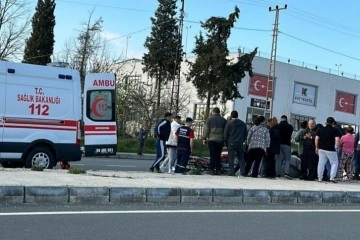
(231, 174)
(333, 181)
(287, 176)
(319, 180)
(151, 170)
(159, 171)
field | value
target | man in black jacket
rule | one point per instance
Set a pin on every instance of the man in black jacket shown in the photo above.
(235, 134)
(161, 132)
(285, 130)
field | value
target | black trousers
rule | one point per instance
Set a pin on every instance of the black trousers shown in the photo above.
(236, 150)
(141, 144)
(215, 149)
(309, 162)
(255, 154)
(269, 165)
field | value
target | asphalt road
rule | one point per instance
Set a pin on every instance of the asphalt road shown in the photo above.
(210, 222)
(113, 164)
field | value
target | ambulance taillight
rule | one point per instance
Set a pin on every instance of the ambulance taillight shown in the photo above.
(78, 133)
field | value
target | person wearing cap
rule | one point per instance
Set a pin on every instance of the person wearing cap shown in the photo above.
(161, 132)
(214, 138)
(285, 131)
(185, 142)
(327, 140)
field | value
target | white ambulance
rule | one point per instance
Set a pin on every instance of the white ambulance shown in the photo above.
(41, 115)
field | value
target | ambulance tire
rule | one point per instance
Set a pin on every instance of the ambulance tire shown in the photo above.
(42, 154)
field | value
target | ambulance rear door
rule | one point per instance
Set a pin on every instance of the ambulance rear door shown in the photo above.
(2, 102)
(99, 114)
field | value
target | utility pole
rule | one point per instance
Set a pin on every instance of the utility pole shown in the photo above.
(271, 76)
(175, 91)
(127, 43)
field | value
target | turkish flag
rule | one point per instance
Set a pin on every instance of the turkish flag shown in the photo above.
(345, 102)
(258, 86)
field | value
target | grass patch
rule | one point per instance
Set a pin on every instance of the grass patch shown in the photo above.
(76, 170)
(37, 168)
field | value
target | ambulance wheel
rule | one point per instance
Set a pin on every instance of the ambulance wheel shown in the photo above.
(41, 157)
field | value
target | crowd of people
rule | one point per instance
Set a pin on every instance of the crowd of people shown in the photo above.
(327, 153)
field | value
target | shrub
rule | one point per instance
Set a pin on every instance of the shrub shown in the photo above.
(36, 167)
(76, 170)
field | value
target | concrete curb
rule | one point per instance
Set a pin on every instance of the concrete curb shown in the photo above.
(118, 195)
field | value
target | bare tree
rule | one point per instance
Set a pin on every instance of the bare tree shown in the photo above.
(14, 28)
(90, 52)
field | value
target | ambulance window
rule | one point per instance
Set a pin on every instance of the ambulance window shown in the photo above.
(100, 105)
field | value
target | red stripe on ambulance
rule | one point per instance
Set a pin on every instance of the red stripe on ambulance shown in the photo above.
(44, 124)
(97, 130)
(100, 128)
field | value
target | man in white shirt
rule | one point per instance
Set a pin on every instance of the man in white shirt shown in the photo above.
(171, 145)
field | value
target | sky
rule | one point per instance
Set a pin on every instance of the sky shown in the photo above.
(312, 33)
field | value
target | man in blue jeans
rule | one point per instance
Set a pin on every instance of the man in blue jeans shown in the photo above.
(285, 131)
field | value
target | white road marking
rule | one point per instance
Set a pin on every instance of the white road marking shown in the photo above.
(182, 211)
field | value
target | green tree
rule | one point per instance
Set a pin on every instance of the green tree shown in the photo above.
(213, 74)
(40, 46)
(164, 47)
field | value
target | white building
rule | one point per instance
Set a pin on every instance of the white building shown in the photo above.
(300, 93)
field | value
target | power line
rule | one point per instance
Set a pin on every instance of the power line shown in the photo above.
(310, 18)
(318, 46)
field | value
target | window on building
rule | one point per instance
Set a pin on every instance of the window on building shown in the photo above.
(132, 81)
(296, 119)
(253, 113)
(343, 126)
(199, 111)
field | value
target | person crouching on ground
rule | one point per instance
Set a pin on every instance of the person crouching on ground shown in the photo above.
(162, 133)
(185, 142)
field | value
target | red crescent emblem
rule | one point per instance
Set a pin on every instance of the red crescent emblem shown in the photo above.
(96, 105)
